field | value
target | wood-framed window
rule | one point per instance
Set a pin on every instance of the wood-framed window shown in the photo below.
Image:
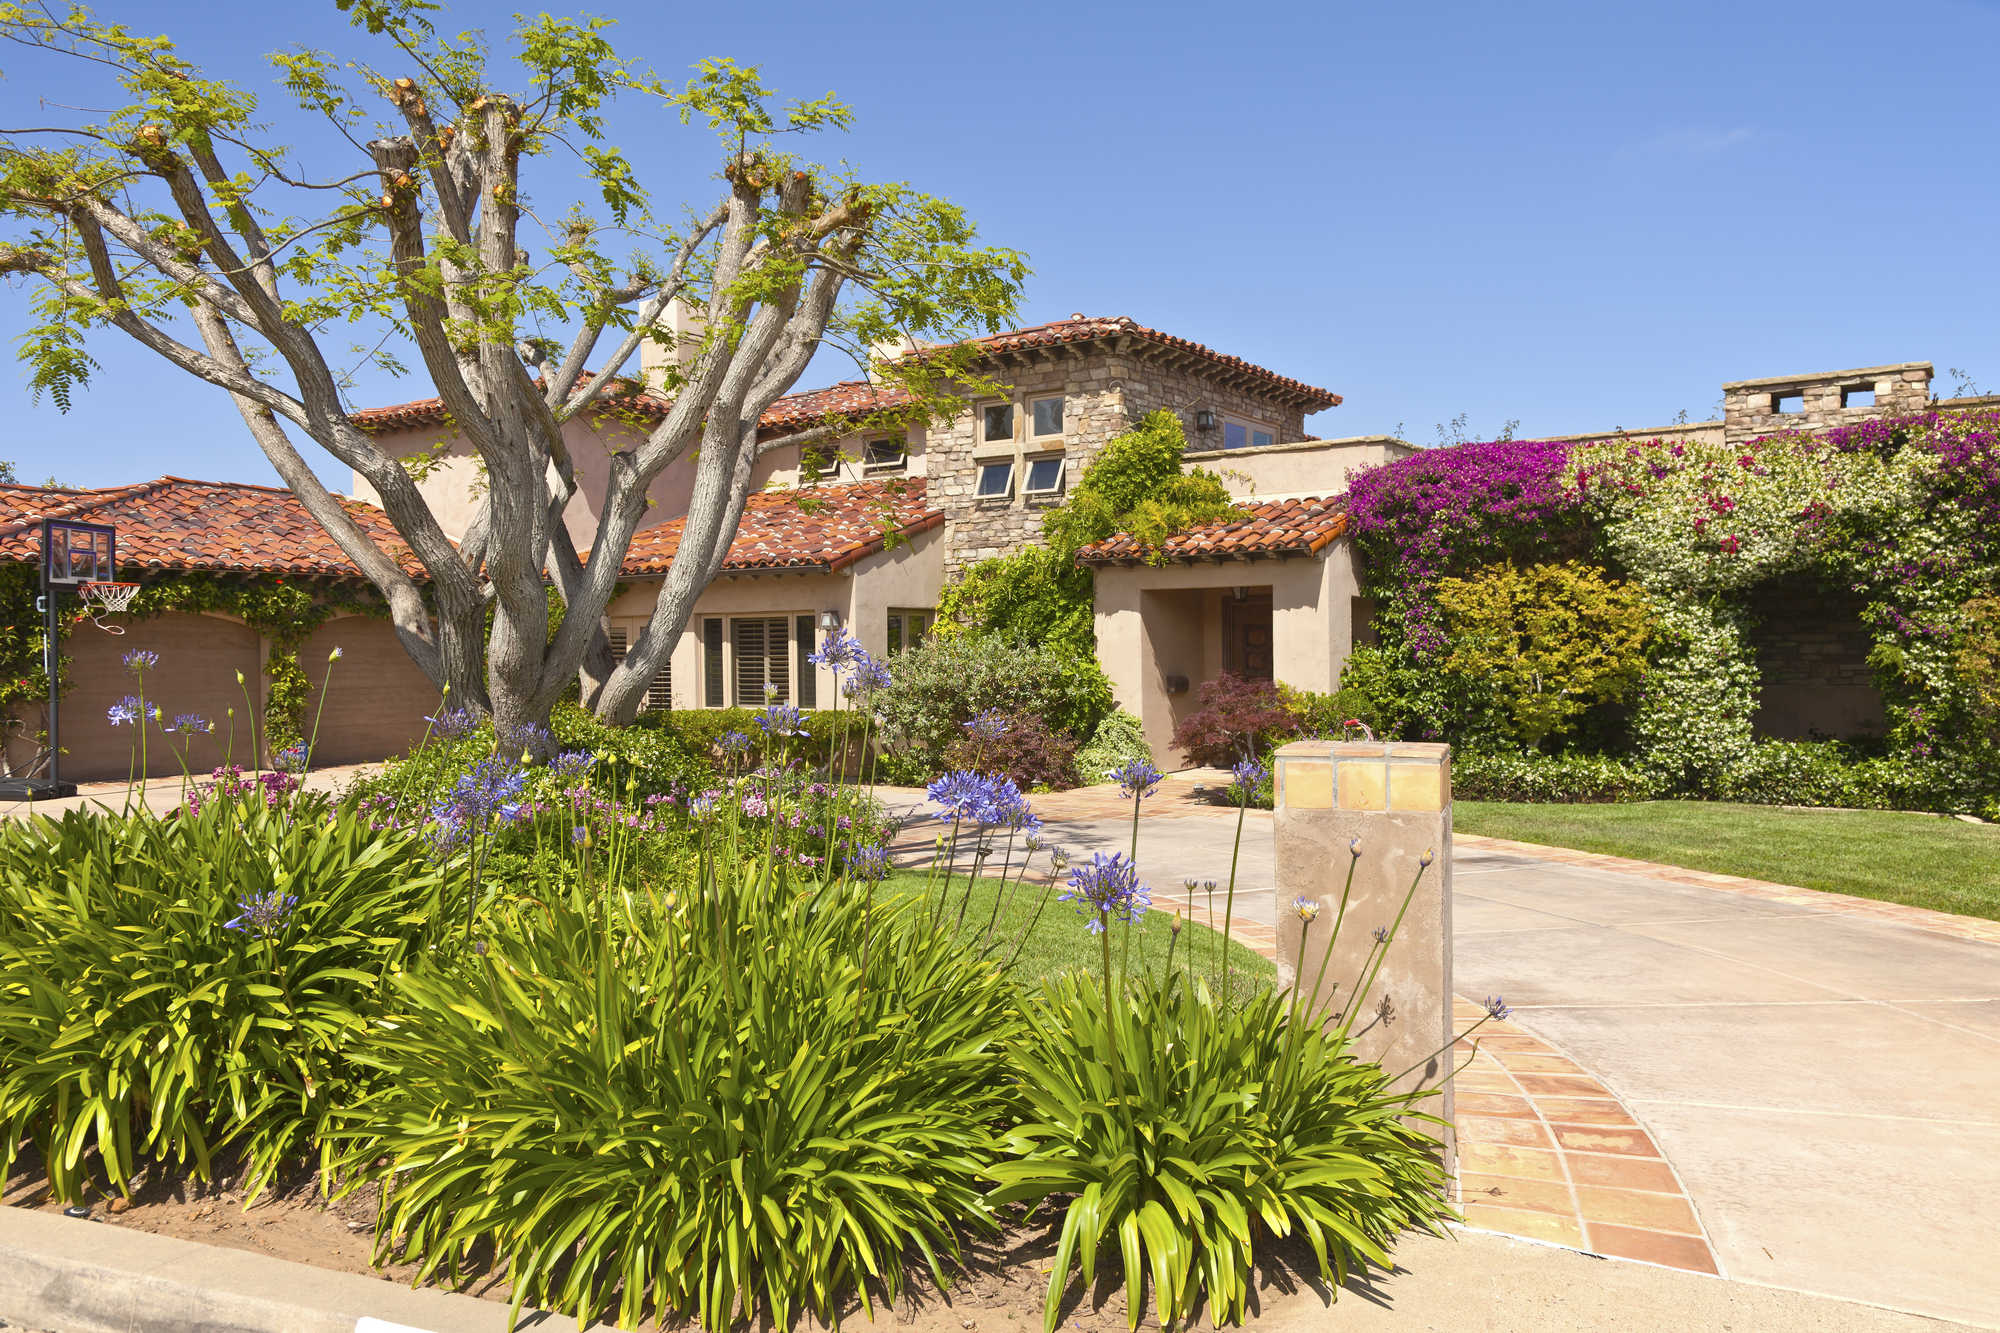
(996, 423)
(660, 689)
(1246, 435)
(1045, 418)
(908, 628)
(885, 454)
(996, 480)
(1044, 479)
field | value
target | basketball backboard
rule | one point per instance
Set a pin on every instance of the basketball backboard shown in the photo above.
(75, 553)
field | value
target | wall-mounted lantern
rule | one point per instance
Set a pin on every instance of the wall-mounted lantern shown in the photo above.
(829, 620)
(1204, 420)
(1177, 684)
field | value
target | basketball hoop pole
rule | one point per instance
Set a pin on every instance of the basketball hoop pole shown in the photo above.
(52, 663)
(74, 554)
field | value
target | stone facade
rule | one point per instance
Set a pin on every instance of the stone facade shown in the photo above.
(1106, 389)
(1812, 657)
(1751, 408)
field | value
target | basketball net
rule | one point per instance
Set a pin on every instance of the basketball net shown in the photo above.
(113, 598)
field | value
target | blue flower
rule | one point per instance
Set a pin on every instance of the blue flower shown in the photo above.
(1381, 934)
(125, 712)
(578, 834)
(262, 914)
(1107, 888)
(868, 863)
(781, 720)
(1248, 775)
(841, 651)
(451, 723)
(191, 724)
(869, 676)
(1137, 778)
(141, 659)
(291, 759)
(735, 742)
(1496, 1007)
(962, 795)
(571, 762)
(530, 739)
(990, 725)
(1005, 807)
(491, 790)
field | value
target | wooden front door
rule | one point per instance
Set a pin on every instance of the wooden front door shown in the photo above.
(1246, 635)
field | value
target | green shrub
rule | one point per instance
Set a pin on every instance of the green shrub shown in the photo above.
(143, 1017)
(1182, 1135)
(762, 1097)
(1118, 740)
(944, 682)
(1832, 773)
(698, 732)
(1555, 779)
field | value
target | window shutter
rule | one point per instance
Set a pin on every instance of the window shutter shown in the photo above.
(777, 663)
(750, 661)
(808, 677)
(711, 634)
(659, 690)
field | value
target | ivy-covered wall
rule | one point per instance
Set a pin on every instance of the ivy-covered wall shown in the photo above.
(1897, 519)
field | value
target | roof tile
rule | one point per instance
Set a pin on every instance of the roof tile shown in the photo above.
(815, 529)
(1274, 528)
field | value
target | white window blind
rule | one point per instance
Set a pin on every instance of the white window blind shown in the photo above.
(659, 690)
(763, 661)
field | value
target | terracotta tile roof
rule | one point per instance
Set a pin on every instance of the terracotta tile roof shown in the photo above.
(173, 523)
(818, 529)
(855, 398)
(1090, 328)
(1274, 528)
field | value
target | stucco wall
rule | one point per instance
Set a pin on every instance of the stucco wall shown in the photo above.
(1303, 467)
(1155, 622)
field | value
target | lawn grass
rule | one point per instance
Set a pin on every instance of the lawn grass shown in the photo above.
(1921, 860)
(1059, 941)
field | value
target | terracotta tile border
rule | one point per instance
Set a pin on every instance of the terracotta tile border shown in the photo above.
(1917, 918)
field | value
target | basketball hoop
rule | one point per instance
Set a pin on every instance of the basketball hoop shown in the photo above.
(113, 598)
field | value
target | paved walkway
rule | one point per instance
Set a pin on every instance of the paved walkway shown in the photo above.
(160, 795)
(1767, 1083)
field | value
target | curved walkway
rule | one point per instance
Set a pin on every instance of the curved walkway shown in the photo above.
(1768, 1083)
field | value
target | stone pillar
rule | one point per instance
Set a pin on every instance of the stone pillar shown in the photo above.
(1393, 802)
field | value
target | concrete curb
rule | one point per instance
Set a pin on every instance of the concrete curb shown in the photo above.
(88, 1277)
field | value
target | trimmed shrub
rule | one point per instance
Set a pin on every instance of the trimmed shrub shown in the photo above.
(1233, 717)
(699, 732)
(1026, 749)
(945, 682)
(1118, 740)
(1542, 778)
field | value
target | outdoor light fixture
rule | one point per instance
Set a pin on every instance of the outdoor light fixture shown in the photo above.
(829, 620)
(1240, 593)
(1204, 420)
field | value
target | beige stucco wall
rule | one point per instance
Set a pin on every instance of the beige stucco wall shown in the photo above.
(1303, 467)
(1158, 621)
(199, 658)
(908, 576)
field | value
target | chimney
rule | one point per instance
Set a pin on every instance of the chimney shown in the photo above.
(882, 353)
(685, 324)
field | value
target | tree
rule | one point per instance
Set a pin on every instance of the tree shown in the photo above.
(174, 220)
(1136, 485)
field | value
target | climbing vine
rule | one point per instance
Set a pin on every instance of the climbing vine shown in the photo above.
(284, 612)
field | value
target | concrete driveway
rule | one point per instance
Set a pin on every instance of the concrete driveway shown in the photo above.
(1826, 1083)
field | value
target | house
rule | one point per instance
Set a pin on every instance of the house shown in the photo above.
(232, 533)
(895, 512)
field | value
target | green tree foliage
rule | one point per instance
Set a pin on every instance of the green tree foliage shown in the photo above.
(1979, 657)
(1041, 595)
(1548, 641)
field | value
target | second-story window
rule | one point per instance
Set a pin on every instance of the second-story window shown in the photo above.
(1045, 477)
(1243, 435)
(996, 481)
(997, 422)
(887, 454)
(1045, 418)
(819, 462)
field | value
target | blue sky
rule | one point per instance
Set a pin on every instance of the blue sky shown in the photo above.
(1576, 216)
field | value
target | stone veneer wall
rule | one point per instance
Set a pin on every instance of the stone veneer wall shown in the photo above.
(1105, 392)
(1812, 661)
(1749, 406)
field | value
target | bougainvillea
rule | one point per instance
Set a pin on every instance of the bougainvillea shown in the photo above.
(1444, 511)
(1899, 514)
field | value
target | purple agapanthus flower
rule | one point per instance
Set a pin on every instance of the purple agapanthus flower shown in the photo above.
(1248, 775)
(868, 863)
(735, 742)
(781, 720)
(451, 723)
(537, 742)
(1005, 807)
(492, 789)
(127, 711)
(1137, 778)
(141, 659)
(263, 914)
(191, 724)
(840, 651)
(868, 676)
(291, 759)
(572, 762)
(962, 795)
(1496, 1007)
(1107, 889)
(990, 725)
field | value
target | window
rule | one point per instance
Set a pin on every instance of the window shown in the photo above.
(885, 455)
(817, 461)
(997, 422)
(1786, 403)
(763, 661)
(1047, 417)
(996, 481)
(907, 629)
(660, 690)
(1241, 435)
(711, 663)
(808, 677)
(1857, 396)
(1045, 477)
